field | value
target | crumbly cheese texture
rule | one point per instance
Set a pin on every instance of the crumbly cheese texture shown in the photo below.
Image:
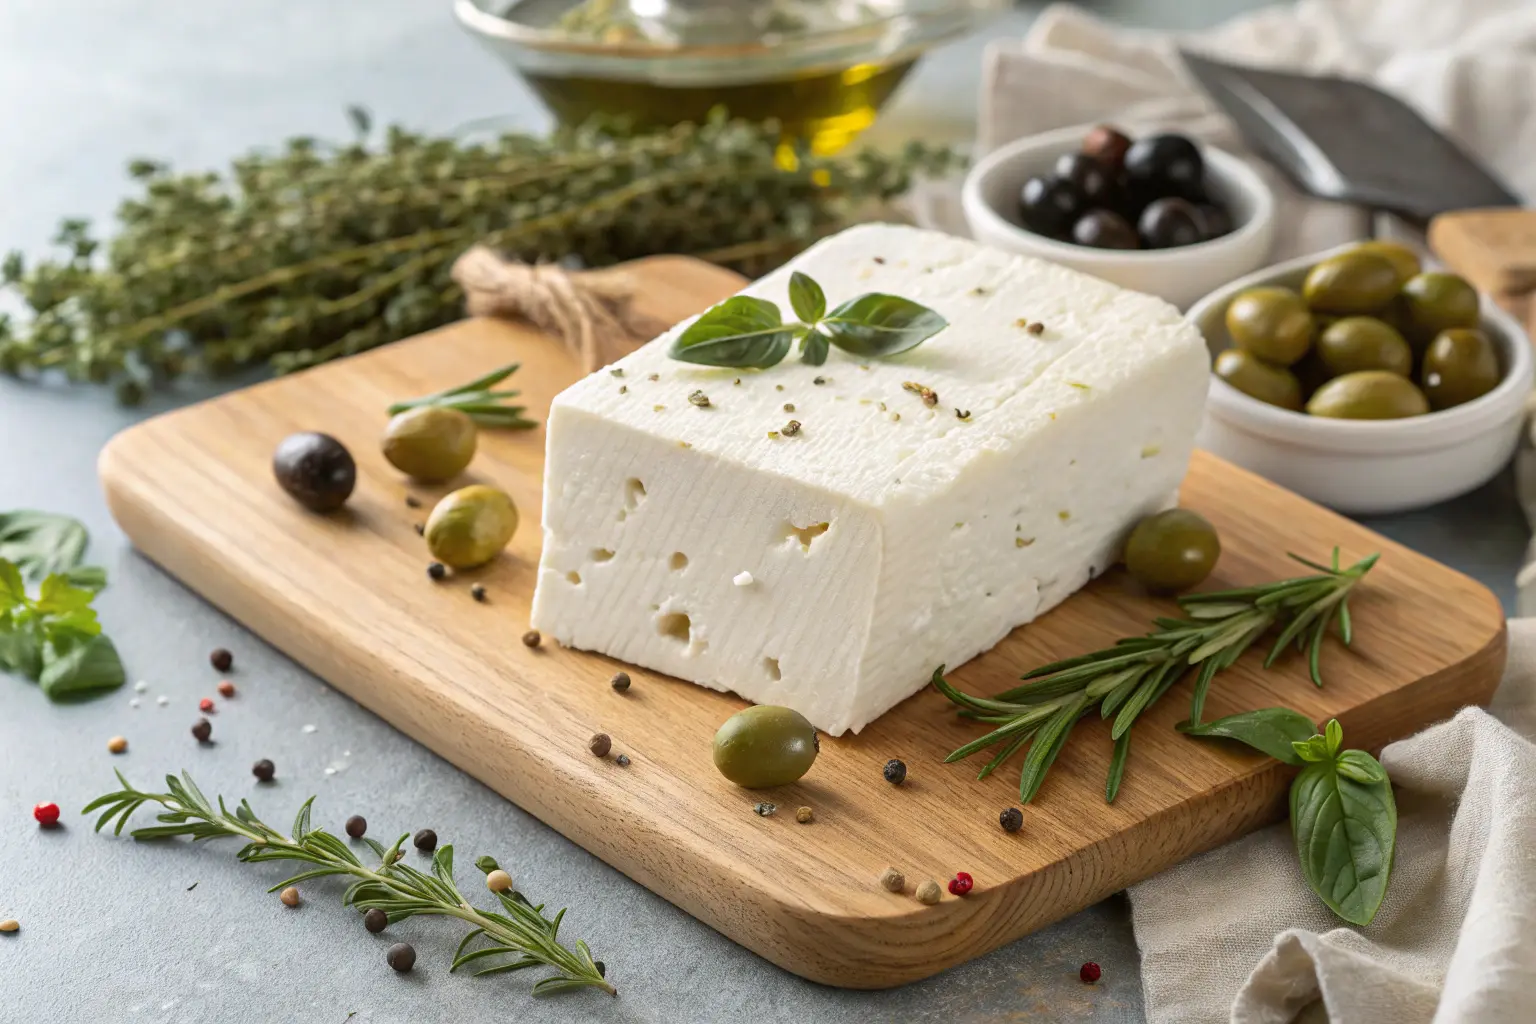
(832, 568)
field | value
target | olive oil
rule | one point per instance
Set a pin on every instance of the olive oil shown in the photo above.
(827, 109)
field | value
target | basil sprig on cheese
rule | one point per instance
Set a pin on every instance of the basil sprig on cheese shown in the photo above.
(744, 331)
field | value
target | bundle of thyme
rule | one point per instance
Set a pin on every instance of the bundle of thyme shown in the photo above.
(320, 251)
(399, 890)
(1129, 677)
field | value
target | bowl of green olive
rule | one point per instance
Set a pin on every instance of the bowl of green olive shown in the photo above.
(1363, 379)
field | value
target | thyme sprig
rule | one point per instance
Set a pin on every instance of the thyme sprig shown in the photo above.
(521, 930)
(1129, 677)
(478, 400)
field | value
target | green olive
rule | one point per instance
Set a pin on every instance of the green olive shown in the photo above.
(765, 746)
(1351, 283)
(430, 443)
(1257, 379)
(1363, 343)
(1368, 395)
(1272, 323)
(1460, 365)
(1172, 550)
(1403, 259)
(470, 526)
(1433, 302)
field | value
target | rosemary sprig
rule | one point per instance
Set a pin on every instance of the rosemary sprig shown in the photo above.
(1126, 679)
(398, 889)
(478, 400)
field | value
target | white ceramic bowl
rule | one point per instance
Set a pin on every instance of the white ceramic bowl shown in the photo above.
(990, 199)
(1365, 466)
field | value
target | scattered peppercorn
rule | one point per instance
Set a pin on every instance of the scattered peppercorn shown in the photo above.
(289, 896)
(436, 570)
(221, 659)
(895, 772)
(879, 259)
(1090, 972)
(600, 745)
(47, 814)
(532, 638)
(1012, 819)
(961, 883)
(498, 881)
(264, 770)
(804, 815)
(1036, 328)
(205, 705)
(357, 826)
(929, 892)
(620, 681)
(401, 956)
(411, 501)
(764, 809)
(226, 688)
(622, 760)
(819, 380)
(791, 428)
(477, 592)
(893, 880)
(117, 744)
(375, 920)
(9, 925)
(425, 840)
(202, 729)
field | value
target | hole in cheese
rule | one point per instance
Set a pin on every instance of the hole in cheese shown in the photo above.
(675, 625)
(634, 493)
(678, 561)
(574, 577)
(600, 554)
(771, 666)
(804, 535)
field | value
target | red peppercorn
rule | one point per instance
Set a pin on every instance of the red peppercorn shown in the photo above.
(961, 883)
(1089, 972)
(47, 815)
(226, 688)
(205, 705)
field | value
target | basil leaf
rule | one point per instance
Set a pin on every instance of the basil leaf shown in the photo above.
(87, 577)
(740, 332)
(880, 325)
(41, 543)
(1345, 833)
(79, 665)
(1362, 767)
(1314, 750)
(814, 349)
(12, 590)
(20, 652)
(1272, 731)
(806, 297)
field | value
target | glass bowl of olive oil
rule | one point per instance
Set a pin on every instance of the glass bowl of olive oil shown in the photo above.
(821, 68)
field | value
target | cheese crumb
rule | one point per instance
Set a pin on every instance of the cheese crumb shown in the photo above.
(742, 579)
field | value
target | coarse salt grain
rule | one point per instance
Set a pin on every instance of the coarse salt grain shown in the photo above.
(133, 702)
(309, 728)
(330, 771)
(742, 579)
(162, 700)
(140, 686)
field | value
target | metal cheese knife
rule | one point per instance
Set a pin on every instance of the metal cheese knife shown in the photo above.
(1345, 140)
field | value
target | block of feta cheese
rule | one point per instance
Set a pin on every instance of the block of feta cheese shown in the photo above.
(832, 567)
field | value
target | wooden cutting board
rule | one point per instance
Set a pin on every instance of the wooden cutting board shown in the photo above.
(348, 596)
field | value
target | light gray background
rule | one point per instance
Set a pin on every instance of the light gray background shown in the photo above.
(116, 931)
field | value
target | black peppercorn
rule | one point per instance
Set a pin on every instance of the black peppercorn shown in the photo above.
(895, 772)
(622, 760)
(425, 840)
(477, 592)
(264, 770)
(357, 825)
(1012, 819)
(401, 956)
(620, 681)
(202, 729)
(221, 660)
(375, 920)
(437, 570)
(532, 638)
(600, 744)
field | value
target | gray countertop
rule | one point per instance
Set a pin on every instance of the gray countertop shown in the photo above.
(116, 931)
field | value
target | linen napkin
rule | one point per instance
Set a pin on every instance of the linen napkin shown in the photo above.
(1235, 934)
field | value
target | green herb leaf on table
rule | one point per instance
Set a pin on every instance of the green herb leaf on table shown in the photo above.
(55, 639)
(742, 332)
(806, 297)
(1272, 731)
(478, 400)
(1345, 830)
(518, 929)
(77, 665)
(874, 326)
(43, 543)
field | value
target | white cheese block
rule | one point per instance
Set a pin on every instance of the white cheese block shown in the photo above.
(833, 570)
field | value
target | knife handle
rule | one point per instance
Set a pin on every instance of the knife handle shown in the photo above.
(1494, 249)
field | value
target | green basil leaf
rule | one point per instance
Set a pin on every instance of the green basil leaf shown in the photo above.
(1333, 736)
(20, 652)
(806, 297)
(1362, 767)
(814, 349)
(742, 332)
(41, 543)
(87, 577)
(12, 590)
(1314, 750)
(875, 325)
(1345, 832)
(76, 665)
(57, 597)
(1272, 731)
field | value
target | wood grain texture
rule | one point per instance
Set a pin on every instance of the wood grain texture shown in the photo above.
(347, 595)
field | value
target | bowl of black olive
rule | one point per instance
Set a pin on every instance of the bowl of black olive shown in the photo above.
(1155, 211)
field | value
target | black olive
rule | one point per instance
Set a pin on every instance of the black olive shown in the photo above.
(1105, 229)
(316, 470)
(1214, 221)
(1093, 180)
(1108, 146)
(1048, 206)
(1165, 165)
(1167, 223)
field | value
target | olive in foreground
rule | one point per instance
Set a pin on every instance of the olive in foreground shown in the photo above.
(1257, 379)
(1356, 343)
(1368, 395)
(765, 746)
(1272, 323)
(431, 443)
(1351, 283)
(1459, 366)
(1435, 301)
(1172, 550)
(470, 526)
(316, 470)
